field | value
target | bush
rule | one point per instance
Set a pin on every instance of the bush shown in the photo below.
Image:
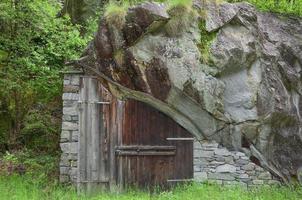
(41, 167)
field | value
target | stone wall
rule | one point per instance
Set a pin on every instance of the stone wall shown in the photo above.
(70, 130)
(214, 163)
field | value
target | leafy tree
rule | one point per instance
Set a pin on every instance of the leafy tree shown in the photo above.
(34, 44)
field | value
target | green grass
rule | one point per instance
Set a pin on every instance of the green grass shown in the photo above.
(26, 188)
(115, 12)
(292, 7)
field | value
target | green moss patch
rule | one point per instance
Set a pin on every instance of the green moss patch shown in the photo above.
(206, 41)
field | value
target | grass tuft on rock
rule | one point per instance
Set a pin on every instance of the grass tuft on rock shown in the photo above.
(179, 5)
(206, 40)
(182, 15)
(115, 12)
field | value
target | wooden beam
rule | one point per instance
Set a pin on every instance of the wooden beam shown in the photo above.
(145, 147)
(145, 153)
(181, 139)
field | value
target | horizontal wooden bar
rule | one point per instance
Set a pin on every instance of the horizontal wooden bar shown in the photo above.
(100, 181)
(145, 153)
(180, 180)
(94, 102)
(72, 72)
(181, 139)
(145, 147)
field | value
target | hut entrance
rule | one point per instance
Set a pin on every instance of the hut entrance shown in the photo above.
(129, 143)
(153, 149)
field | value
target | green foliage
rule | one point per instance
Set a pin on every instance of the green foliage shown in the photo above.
(205, 43)
(115, 12)
(180, 3)
(41, 167)
(34, 44)
(293, 7)
(40, 132)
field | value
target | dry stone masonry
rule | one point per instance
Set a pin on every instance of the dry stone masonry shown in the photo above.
(214, 163)
(70, 128)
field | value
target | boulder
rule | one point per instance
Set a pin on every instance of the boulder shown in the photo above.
(251, 101)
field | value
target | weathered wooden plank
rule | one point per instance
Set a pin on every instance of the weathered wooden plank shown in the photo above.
(82, 169)
(92, 165)
(145, 153)
(145, 147)
(181, 139)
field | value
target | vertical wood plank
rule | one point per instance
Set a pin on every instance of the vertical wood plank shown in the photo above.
(91, 157)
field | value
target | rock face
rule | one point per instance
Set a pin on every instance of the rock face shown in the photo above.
(247, 99)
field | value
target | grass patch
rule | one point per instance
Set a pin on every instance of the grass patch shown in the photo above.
(182, 15)
(205, 43)
(115, 12)
(293, 7)
(25, 188)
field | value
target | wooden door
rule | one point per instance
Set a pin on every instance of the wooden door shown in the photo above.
(92, 155)
(153, 150)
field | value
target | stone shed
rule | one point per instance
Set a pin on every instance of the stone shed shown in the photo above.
(111, 143)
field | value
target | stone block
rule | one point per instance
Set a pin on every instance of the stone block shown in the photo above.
(203, 154)
(259, 169)
(242, 162)
(73, 156)
(229, 159)
(75, 118)
(265, 176)
(64, 170)
(71, 147)
(69, 126)
(219, 158)
(71, 89)
(215, 163)
(75, 136)
(226, 168)
(75, 80)
(273, 182)
(64, 161)
(66, 82)
(244, 176)
(240, 154)
(65, 136)
(222, 152)
(196, 168)
(67, 118)
(251, 173)
(248, 167)
(70, 110)
(257, 182)
(70, 96)
(221, 176)
(196, 145)
(70, 103)
(219, 182)
(244, 158)
(200, 176)
(200, 161)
